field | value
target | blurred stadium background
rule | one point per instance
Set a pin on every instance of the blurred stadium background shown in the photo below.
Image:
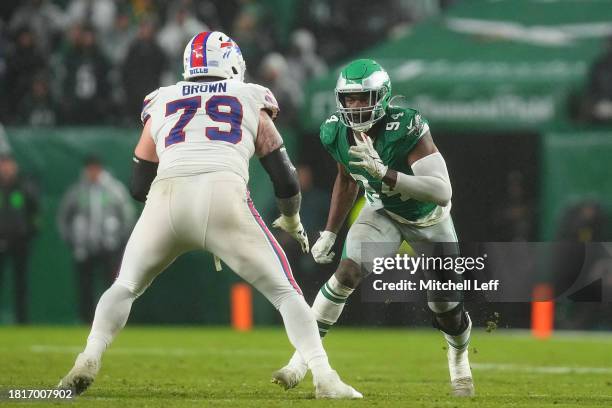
(518, 94)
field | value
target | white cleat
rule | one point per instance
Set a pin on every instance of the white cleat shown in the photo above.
(463, 387)
(289, 376)
(330, 386)
(462, 384)
(81, 376)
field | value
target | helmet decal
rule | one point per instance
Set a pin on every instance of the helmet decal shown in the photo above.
(198, 50)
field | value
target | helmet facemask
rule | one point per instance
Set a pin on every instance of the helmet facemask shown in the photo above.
(362, 118)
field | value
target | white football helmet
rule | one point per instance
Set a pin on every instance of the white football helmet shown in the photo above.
(212, 53)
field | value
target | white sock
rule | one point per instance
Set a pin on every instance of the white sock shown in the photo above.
(461, 341)
(111, 315)
(326, 311)
(459, 365)
(302, 332)
(297, 362)
(329, 303)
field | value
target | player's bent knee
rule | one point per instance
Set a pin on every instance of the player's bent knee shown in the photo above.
(134, 288)
(349, 273)
(275, 289)
(441, 307)
(452, 321)
(278, 300)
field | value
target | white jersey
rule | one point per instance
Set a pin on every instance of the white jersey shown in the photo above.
(202, 127)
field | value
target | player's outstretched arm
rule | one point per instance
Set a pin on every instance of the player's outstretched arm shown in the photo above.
(145, 165)
(343, 197)
(276, 162)
(430, 182)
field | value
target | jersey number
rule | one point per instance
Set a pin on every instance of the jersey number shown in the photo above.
(220, 108)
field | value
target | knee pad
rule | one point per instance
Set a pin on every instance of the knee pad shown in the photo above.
(279, 298)
(451, 321)
(442, 307)
(130, 286)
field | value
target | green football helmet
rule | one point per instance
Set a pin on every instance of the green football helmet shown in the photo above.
(363, 76)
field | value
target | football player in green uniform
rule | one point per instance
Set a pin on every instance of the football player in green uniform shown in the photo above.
(387, 149)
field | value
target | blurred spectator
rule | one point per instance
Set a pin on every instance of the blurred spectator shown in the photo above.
(207, 11)
(226, 10)
(141, 8)
(5, 147)
(18, 225)
(95, 219)
(251, 33)
(274, 74)
(99, 14)
(7, 9)
(116, 42)
(584, 222)
(318, 17)
(38, 107)
(345, 27)
(303, 61)
(23, 63)
(43, 18)
(416, 10)
(86, 88)
(599, 89)
(180, 27)
(142, 69)
(4, 44)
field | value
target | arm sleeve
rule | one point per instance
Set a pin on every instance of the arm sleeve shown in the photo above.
(282, 173)
(143, 174)
(430, 182)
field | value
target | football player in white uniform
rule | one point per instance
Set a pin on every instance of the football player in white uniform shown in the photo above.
(191, 167)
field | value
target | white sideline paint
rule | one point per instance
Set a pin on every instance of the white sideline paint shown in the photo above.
(541, 369)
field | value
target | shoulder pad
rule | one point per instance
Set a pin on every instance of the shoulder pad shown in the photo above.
(409, 119)
(329, 129)
(418, 125)
(265, 98)
(147, 105)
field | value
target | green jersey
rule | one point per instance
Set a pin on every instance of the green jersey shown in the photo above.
(396, 134)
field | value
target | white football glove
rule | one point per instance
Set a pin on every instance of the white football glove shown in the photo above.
(321, 249)
(368, 157)
(293, 227)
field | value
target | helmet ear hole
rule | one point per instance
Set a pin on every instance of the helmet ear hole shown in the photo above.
(234, 70)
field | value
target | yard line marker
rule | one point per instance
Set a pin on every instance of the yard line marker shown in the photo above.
(541, 369)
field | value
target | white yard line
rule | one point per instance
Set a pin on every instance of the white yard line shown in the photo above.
(158, 351)
(541, 369)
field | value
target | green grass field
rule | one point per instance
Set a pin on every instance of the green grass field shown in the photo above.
(183, 367)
